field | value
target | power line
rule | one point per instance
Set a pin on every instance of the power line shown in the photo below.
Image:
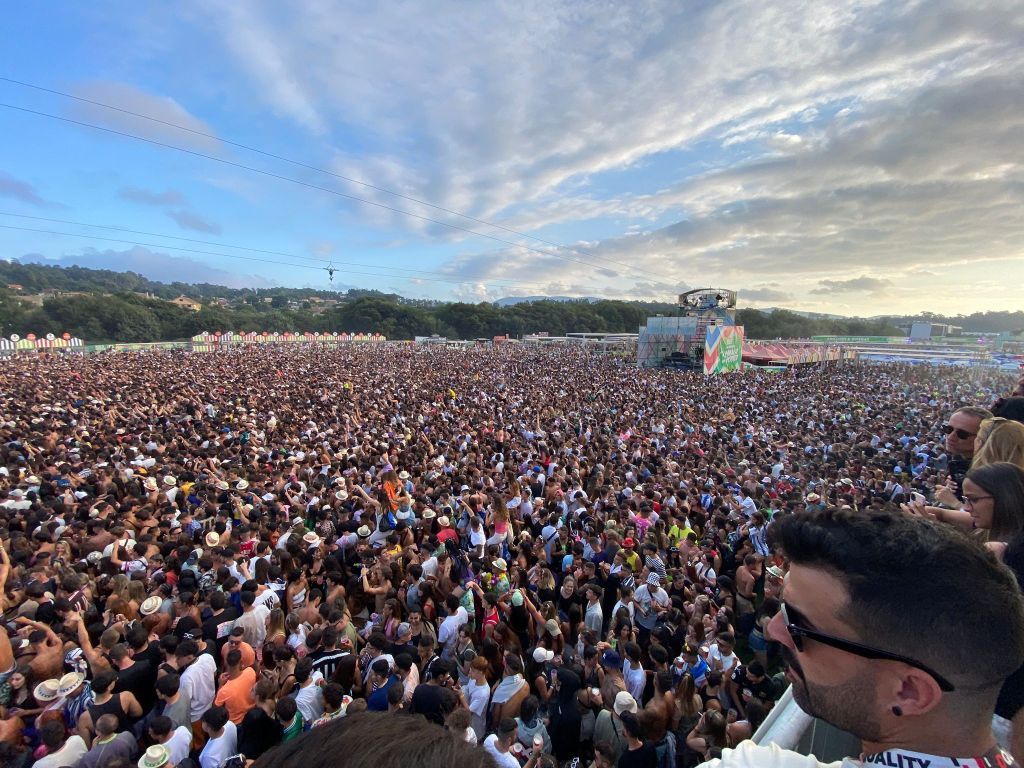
(309, 185)
(222, 245)
(246, 258)
(300, 164)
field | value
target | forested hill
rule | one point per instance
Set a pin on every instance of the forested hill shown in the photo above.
(107, 306)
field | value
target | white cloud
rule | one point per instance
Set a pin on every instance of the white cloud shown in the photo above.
(855, 138)
(166, 113)
(899, 191)
(480, 106)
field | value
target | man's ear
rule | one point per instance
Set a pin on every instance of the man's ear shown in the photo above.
(914, 693)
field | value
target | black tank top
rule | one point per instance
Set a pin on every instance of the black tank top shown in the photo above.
(110, 707)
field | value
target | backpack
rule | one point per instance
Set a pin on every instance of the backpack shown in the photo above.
(388, 521)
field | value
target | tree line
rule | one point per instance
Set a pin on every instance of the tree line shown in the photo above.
(113, 307)
(127, 317)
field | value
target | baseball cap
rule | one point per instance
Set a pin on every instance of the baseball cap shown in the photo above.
(611, 658)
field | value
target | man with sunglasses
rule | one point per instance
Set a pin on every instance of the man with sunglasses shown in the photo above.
(898, 630)
(960, 430)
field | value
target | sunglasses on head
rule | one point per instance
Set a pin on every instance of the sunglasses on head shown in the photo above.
(800, 634)
(963, 434)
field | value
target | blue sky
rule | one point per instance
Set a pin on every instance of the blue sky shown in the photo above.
(856, 158)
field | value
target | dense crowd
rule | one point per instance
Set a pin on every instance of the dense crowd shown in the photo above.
(548, 553)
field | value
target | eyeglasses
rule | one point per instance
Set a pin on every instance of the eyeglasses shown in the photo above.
(963, 434)
(972, 500)
(798, 634)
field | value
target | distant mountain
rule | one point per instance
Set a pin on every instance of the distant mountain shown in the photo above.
(809, 315)
(510, 301)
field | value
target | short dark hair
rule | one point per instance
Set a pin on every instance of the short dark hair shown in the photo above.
(52, 734)
(161, 725)
(285, 709)
(377, 740)
(186, 648)
(104, 680)
(169, 684)
(333, 694)
(303, 669)
(215, 717)
(631, 724)
(917, 584)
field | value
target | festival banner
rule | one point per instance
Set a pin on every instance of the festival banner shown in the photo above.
(723, 349)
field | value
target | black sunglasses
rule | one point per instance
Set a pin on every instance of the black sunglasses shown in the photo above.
(963, 434)
(798, 634)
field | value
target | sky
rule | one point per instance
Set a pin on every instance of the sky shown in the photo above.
(854, 158)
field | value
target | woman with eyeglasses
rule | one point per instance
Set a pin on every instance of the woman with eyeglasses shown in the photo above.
(993, 502)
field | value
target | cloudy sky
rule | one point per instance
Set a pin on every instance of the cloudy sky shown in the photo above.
(847, 157)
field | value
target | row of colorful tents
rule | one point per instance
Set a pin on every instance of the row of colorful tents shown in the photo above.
(203, 342)
(210, 342)
(32, 343)
(772, 353)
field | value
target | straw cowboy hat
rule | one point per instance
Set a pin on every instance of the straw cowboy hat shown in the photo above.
(67, 684)
(155, 756)
(48, 690)
(150, 605)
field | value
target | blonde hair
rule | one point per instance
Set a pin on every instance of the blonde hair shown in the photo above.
(999, 440)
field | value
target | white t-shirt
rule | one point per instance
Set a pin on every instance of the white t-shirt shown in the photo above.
(749, 506)
(477, 698)
(728, 662)
(477, 538)
(448, 632)
(268, 598)
(628, 606)
(199, 683)
(69, 754)
(751, 755)
(503, 759)
(179, 744)
(310, 700)
(220, 749)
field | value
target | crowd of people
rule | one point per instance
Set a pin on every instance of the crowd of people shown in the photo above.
(501, 556)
